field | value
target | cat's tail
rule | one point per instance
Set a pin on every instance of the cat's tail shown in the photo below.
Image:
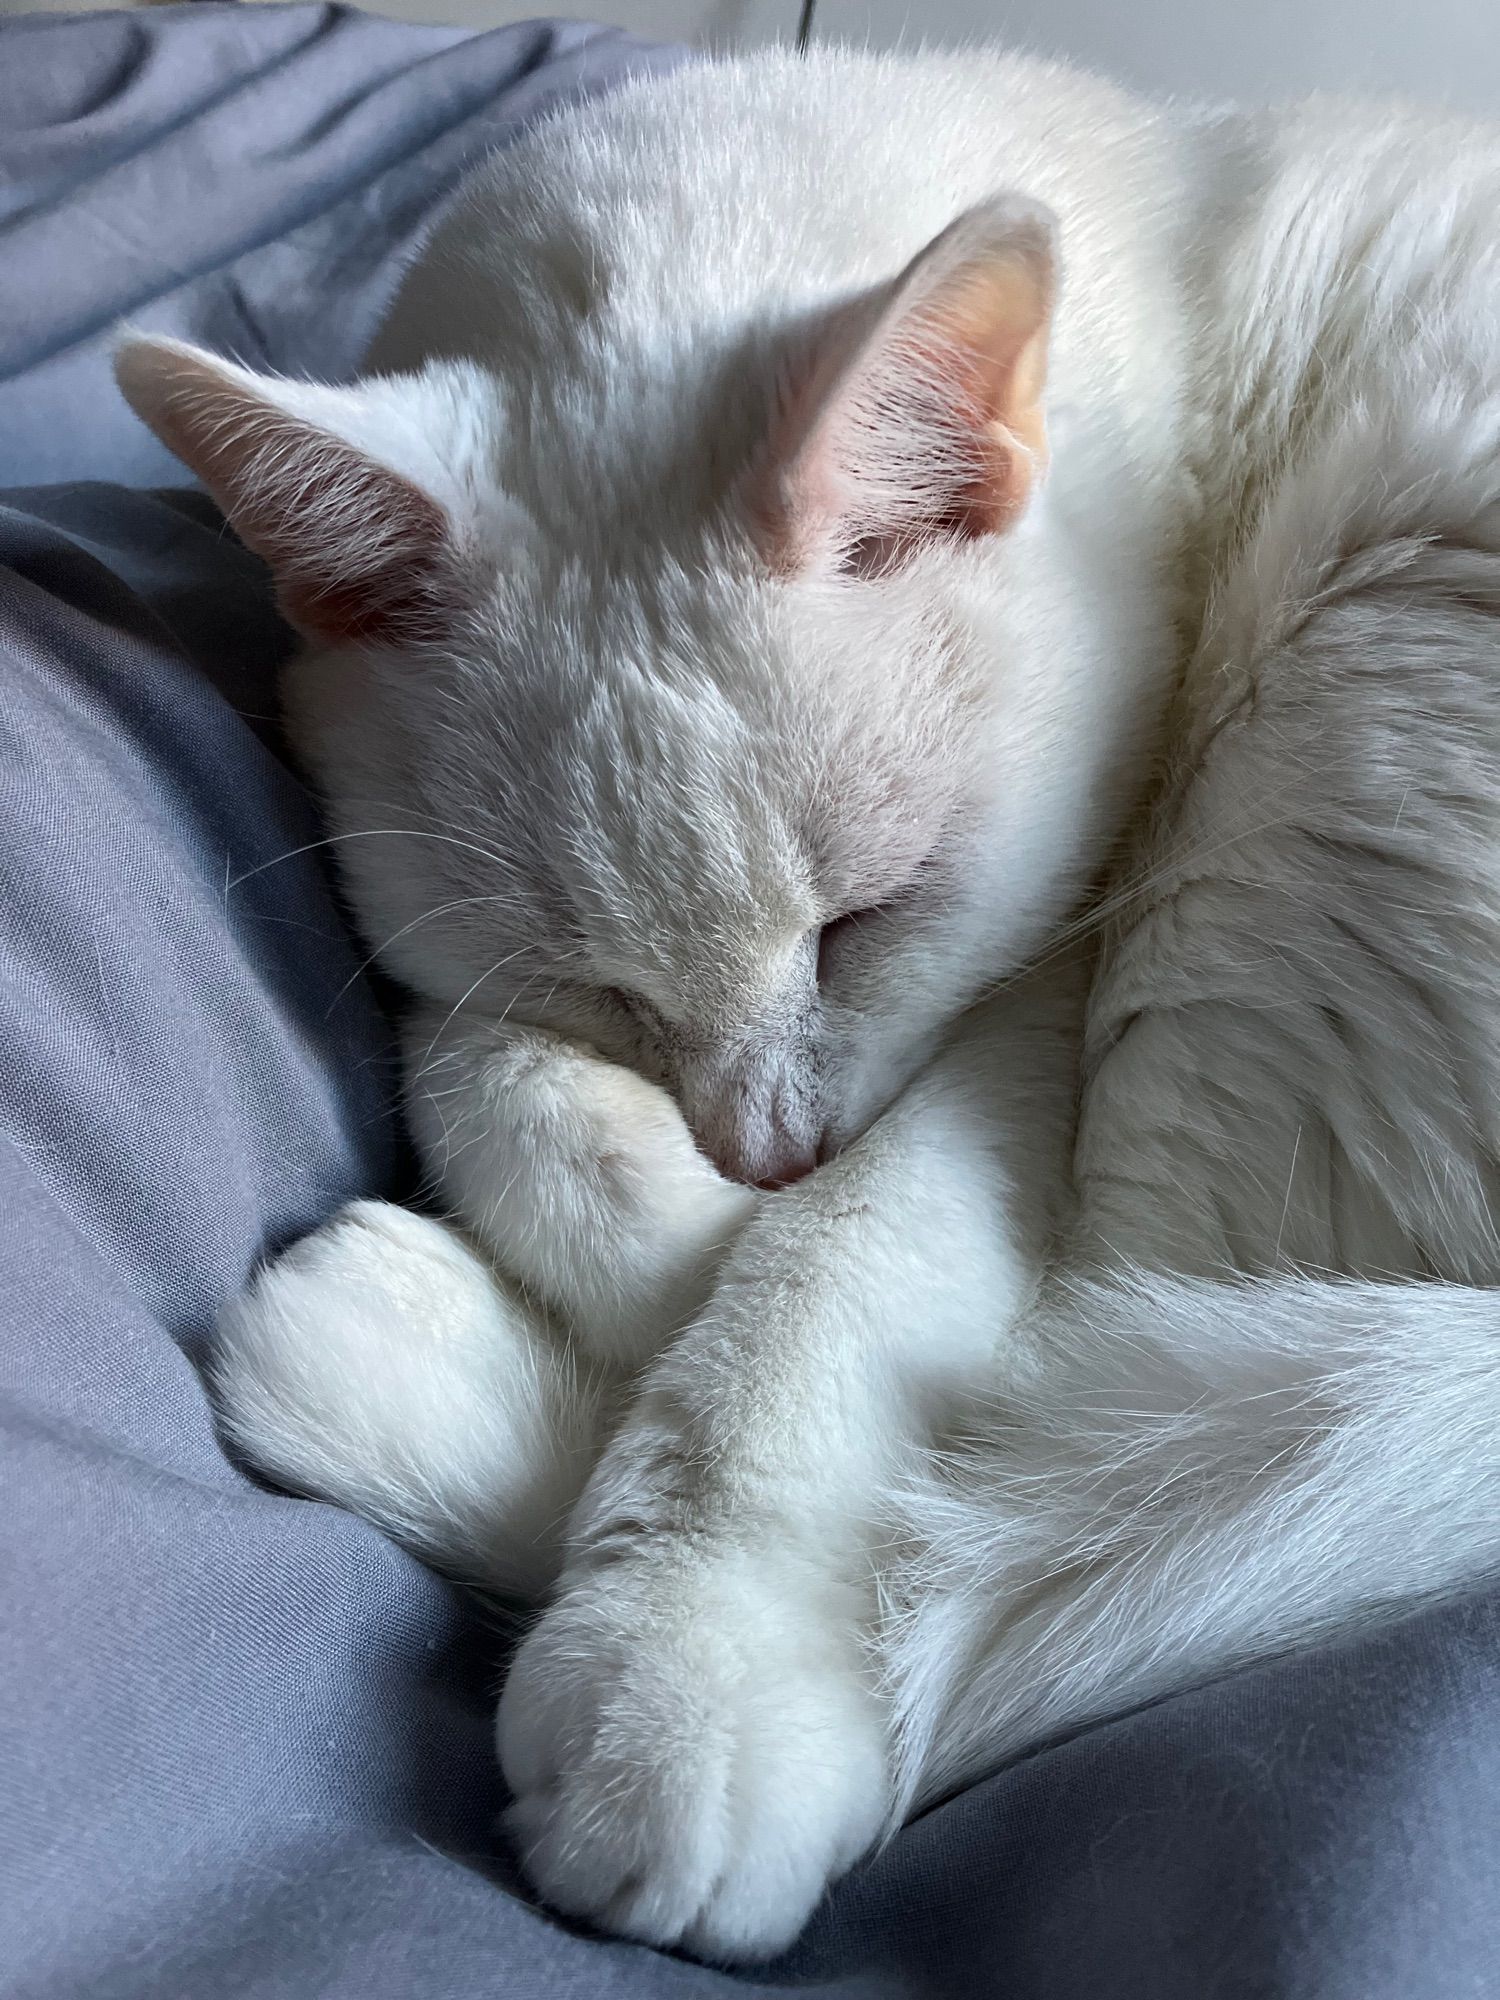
(1198, 1475)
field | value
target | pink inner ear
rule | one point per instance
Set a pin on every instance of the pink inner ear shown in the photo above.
(373, 561)
(916, 416)
(359, 552)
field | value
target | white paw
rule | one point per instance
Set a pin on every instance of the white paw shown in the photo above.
(579, 1178)
(379, 1364)
(693, 1749)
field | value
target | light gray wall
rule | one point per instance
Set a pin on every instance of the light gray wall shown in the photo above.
(1441, 50)
(1445, 51)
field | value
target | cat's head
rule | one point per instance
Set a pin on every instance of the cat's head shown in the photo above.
(749, 755)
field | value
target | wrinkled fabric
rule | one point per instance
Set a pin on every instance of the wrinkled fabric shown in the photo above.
(244, 1741)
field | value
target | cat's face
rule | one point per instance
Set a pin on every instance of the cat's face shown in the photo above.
(730, 831)
(755, 798)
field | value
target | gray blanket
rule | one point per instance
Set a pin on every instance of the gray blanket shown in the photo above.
(244, 1742)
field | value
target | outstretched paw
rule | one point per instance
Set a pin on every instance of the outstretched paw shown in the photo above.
(693, 1748)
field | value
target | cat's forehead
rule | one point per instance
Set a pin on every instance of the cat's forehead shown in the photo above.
(706, 766)
(695, 695)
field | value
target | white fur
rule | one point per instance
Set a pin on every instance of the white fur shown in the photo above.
(378, 1364)
(578, 1177)
(946, 1447)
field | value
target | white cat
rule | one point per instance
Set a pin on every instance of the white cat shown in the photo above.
(823, 545)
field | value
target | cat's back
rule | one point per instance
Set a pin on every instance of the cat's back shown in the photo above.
(633, 271)
(1299, 1029)
(1345, 263)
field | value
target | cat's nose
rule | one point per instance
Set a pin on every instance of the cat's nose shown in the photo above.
(753, 1109)
(794, 1165)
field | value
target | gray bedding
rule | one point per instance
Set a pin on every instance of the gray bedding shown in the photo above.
(244, 1742)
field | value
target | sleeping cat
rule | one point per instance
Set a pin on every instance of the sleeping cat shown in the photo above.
(903, 657)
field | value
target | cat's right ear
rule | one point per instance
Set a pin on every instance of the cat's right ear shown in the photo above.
(914, 415)
(346, 492)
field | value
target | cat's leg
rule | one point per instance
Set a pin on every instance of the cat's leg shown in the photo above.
(579, 1178)
(1293, 1067)
(1201, 1475)
(380, 1364)
(384, 1365)
(692, 1732)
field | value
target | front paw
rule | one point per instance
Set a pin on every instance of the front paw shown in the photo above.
(694, 1749)
(579, 1178)
(380, 1365)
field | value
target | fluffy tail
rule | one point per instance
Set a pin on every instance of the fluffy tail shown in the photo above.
(1198, 1475)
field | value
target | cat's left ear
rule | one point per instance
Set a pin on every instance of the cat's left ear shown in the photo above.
(356, 496)
(915, 413)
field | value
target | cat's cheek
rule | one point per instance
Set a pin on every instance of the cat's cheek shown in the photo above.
(861, 1083)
